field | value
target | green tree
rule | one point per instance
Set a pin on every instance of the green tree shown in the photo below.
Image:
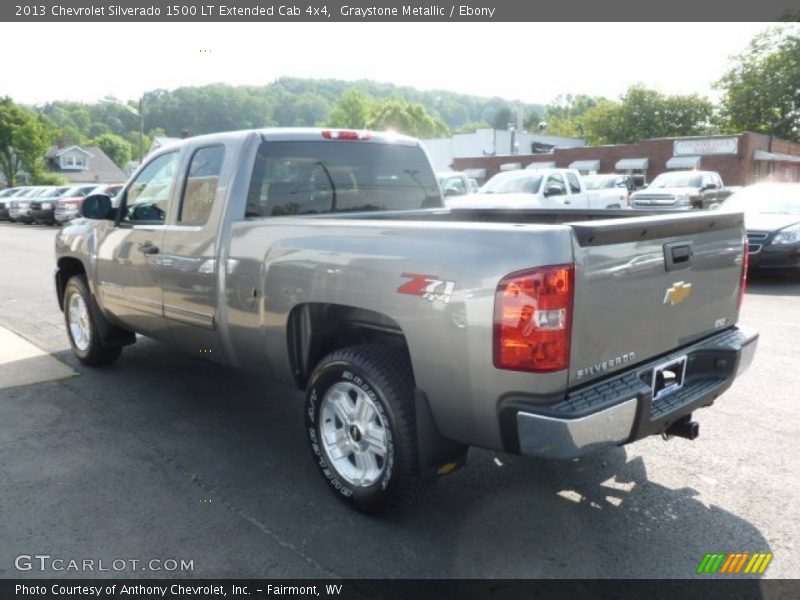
(285, 102)
(564, 116)
(48, 178)
(406, 117)
(602, 124)
(132, 138)
(472, 126)
(531, 122)
(117, 148)
(502, 118)
(643, 113)
(24, 140)
(353, 110)
(761, 91)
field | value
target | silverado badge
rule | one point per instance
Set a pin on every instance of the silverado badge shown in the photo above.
(676, 294)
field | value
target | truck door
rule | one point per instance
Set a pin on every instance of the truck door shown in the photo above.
(189, 256)
(577, 195)
(129, 254)
(554, 191)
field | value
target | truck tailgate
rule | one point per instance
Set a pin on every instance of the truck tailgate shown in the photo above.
(646, 286)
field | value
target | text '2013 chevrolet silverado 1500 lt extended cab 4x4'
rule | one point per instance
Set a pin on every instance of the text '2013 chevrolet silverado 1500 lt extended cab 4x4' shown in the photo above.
(325, 259)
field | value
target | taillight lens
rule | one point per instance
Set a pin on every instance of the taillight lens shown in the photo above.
(745, 262)
(533, 319)
(332, 134)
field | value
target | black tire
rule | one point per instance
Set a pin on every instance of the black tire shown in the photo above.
(93, 353)
(385, 374)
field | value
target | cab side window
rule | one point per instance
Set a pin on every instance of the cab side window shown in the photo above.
(201, 185)
(148, 196)
(574, 184)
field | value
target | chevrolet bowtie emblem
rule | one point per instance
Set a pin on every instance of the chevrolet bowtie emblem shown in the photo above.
(676, 294)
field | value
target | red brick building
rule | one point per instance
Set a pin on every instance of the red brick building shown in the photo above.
(740, 159)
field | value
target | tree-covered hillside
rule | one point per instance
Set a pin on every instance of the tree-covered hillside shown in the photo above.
(283, 103)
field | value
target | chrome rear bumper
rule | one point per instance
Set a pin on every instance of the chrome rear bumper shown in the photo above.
(620, 409)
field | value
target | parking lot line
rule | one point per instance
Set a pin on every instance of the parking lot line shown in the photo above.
(23, 363)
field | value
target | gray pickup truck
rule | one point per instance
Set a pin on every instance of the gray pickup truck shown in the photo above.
(326, 260)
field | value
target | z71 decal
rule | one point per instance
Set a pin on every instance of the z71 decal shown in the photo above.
(429, 287)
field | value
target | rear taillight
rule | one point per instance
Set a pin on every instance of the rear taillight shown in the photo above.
(745, 262)
(533, 319)
(333, 134)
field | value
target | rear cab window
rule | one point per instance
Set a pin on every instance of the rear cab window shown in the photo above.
(200, 187)
(574, 184)
(318, 177)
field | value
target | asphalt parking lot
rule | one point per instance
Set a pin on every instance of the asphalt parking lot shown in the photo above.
(165, 456)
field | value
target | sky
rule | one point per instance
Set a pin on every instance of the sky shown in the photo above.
(530, 62)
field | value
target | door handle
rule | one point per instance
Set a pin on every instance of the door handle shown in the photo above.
(148, 248)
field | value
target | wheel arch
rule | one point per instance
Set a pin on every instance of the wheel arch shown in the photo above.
(68, 267)
(316, 329)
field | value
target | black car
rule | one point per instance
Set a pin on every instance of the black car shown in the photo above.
(43, 207)
(772, 219)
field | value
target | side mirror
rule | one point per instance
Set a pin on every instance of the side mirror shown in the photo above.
(96, 206)
(553, 190)
(714, 206)
(709, 186)
(449, 192)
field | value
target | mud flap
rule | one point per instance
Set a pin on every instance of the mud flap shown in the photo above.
(437, 456)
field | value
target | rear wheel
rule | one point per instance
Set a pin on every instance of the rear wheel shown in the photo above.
(82, 326)
(361, 427)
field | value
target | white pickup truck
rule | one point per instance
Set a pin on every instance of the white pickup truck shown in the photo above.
(534, 188)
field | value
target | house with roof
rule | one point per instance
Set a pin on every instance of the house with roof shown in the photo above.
(83, 165)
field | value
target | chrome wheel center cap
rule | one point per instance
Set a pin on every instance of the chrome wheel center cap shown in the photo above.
(355, 433)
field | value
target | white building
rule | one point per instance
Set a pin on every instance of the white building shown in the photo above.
(491, 142)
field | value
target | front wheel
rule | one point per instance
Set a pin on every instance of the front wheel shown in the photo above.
(82, 326)
(361, 427)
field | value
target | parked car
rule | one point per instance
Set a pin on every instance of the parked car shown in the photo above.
(681, 190)
(772, 218)
(43, 206)
(9, 191)
(5, 201)
(67, 207)
(535, 188)
(416, 331)
(617, 188)
(454, 183)
(112, 190)
(20, 205)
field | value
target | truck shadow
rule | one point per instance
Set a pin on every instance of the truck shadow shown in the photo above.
(773, 284)
(160, 421)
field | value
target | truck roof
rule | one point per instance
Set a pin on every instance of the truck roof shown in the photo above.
(294, 134)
